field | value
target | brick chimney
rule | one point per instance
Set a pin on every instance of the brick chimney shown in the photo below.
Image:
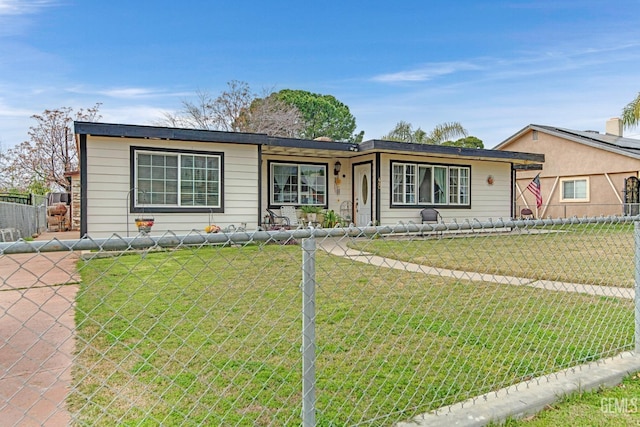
(614, 127)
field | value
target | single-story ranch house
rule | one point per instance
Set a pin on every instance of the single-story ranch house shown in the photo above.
(186, 179)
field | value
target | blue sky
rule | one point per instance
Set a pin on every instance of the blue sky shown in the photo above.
(494, 66)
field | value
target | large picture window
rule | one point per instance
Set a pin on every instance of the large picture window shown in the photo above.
(177, 180)
(425, 184)
(298, 184)
(575, 190)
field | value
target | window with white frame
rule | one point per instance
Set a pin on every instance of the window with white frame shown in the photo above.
(297, 184)
(574, 189)
(458, 186)
(165, 179)
(427, 184)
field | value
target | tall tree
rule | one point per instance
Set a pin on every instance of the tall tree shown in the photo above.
(467, 142)
(272, 116)
(631, 113)
(209, 113)
(50, 152)
(289, 113)
(403, 132)
(238, 109)
(231, 103)
(324, 115)
(194, 114)
(6, 181)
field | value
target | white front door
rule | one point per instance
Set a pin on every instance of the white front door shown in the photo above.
(363, 189)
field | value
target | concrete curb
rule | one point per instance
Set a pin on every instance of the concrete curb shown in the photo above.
(530, 397)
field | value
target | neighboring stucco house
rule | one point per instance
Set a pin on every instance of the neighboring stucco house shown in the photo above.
(585, 173)
(187, 179)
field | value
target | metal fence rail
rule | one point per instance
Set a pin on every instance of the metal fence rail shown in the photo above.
(347, 326)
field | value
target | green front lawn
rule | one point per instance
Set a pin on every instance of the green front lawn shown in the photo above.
(213, 335)
(616, 406)
(593, 255)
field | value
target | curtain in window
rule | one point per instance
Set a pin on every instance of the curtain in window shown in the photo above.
(424, 189)
(282, 175)
(313, 184)
(439, 185)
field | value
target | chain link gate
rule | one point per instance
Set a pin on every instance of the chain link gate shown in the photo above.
(347, 326)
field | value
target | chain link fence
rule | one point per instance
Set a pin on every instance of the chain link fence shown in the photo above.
(20, 220)
(347, 326)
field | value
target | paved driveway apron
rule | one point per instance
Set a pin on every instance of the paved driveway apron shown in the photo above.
(37, 293)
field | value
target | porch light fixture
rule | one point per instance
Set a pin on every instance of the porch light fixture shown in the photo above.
(336, 168)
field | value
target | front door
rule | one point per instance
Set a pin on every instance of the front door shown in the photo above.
(363, 190)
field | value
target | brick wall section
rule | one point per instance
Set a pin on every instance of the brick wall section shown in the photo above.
(75, 201)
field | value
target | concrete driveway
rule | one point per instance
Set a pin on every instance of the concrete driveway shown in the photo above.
(37, 293)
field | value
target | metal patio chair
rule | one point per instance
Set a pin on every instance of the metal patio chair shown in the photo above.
(431, 215)
(276, 222)
(526, 213)
(290, 212)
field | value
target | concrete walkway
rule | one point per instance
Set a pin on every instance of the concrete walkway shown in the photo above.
(339, 247)
(37, 294)
(526, 398)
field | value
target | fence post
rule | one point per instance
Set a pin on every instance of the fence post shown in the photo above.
(309, 332)
(636, 238)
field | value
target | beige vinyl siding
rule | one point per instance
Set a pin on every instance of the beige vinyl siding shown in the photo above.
(487, 201)
(108, 186)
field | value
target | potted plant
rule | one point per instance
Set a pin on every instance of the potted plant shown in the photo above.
(330, 219)
(144, 224)
(311, 211)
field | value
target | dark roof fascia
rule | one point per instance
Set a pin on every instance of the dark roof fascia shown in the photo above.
(529, 167)
(166, 133)
(406, 147)
(312, 144)
(155, 132)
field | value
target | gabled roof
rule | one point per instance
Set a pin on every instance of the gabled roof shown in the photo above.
(301, 147)
(617, 144)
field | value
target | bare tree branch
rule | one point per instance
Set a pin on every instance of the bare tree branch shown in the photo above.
(50, 152)
(238, 109)
(272, 116)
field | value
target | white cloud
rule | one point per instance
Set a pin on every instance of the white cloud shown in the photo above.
(22, 7)
(128, 93)
(17, 16)
(11, 111)
(527, 63)
(427, 72)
